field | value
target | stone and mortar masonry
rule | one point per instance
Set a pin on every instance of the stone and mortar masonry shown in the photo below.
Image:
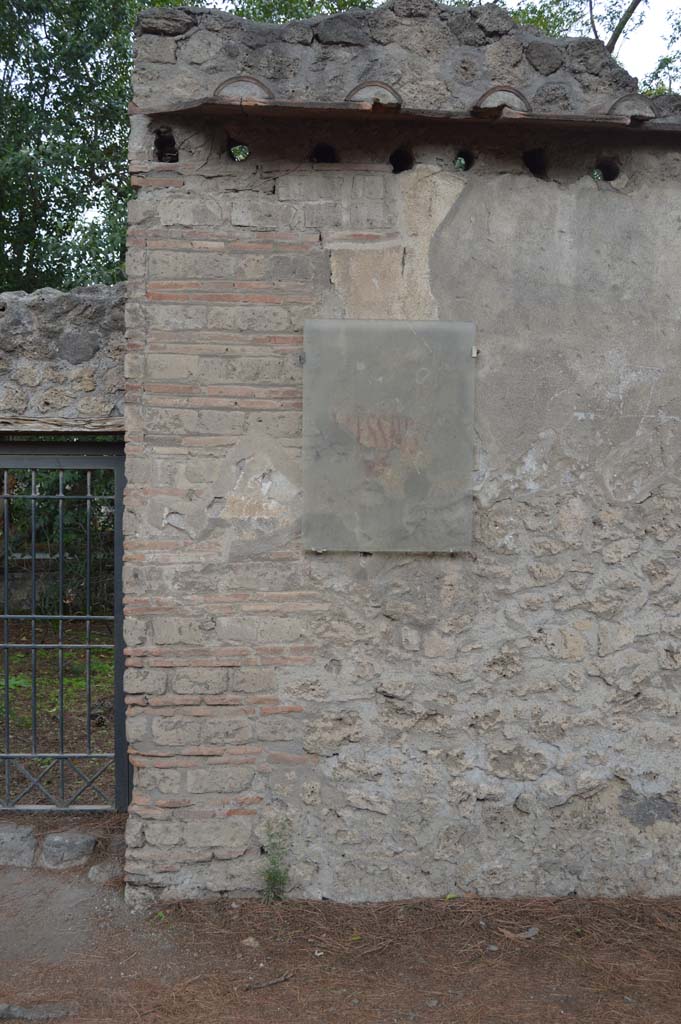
(61, 359)
(29, 846)
(433, 57)
(504, 721)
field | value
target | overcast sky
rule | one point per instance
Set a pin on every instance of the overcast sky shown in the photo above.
(640, 53)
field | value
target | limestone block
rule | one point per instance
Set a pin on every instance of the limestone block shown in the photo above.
(219, 779)
(165, 22)
(66, 849)
(17, 845)
(329, 732)
(105, 871)
(233, 833)
(544, 56)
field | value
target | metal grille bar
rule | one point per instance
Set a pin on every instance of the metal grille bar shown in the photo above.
(61, 687)
(69, 618)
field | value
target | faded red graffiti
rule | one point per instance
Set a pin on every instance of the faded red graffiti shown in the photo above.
(384, 431)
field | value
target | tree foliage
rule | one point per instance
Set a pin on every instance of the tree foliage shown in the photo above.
(64, 89)
(64, 530)
(607, 20)
(667, 73)
(290, 10)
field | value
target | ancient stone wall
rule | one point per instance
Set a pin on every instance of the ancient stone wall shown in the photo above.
(429, 56)
(501, 721)
(61, 359)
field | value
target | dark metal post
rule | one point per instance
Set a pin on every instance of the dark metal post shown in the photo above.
(123, 774)
(5, 609)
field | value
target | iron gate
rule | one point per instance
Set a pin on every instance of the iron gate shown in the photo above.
(61, 649)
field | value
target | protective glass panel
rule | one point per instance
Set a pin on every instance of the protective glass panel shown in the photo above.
(388, 435)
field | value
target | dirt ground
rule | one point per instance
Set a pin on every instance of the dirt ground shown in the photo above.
(462, 960)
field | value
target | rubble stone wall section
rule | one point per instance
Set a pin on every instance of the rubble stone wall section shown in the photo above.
(61, 359)
(421, 54)
(433, 56)
(503, 721)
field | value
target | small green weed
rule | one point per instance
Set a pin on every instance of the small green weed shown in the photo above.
(19, 682)
(275, 873)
